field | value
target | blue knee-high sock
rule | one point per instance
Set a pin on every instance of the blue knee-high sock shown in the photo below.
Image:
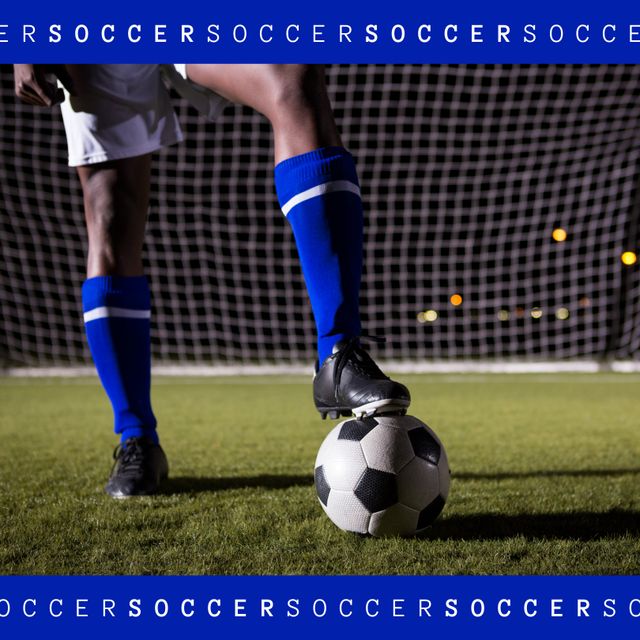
(117, 313)
(320, 196)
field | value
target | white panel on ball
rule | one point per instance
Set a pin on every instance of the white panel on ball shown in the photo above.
(327, 445)
(418, 484)
(406, 423)
(398, 520)
(344, 465)
(387, 447)
(347, 512)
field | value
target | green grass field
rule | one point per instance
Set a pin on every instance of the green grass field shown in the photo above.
(546, 480)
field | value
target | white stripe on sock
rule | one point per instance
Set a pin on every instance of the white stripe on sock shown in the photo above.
(319, 190)
(117, 312)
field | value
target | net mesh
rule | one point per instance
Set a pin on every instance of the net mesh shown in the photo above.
(466, 171)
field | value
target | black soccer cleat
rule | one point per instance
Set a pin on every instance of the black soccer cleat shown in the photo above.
(140, 466)
(349, 382)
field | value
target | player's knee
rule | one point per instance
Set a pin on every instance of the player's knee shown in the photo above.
(296, 88)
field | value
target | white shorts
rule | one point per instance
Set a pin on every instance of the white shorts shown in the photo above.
(124, 110)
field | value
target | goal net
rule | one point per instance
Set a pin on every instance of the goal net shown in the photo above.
(499, 203)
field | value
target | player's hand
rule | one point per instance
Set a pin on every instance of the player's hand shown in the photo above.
(33, 87)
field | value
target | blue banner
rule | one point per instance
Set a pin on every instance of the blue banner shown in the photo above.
(372, 606)
(405, 32)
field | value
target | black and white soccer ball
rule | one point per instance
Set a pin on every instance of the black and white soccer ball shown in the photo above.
(382, 476)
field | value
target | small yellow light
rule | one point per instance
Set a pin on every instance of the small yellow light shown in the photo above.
(536, 313)
(562, 313)
(559, 235)
(430, 315)
(629, 258)
(420, 318)
(503, 315)
(456, 299)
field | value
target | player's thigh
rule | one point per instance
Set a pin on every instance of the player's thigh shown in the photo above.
(116, 201)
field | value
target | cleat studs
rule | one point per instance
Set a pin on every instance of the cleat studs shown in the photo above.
(334, 415)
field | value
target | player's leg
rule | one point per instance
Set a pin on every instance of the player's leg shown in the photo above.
(117, 116)
(117, 311)
(318, 189)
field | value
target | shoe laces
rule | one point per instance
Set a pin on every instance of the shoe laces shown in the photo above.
(129, 455)
(359, 358)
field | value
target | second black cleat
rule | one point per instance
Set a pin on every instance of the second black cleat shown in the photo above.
(140, 466)
(349, 382)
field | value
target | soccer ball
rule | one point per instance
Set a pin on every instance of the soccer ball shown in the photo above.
(383, 476)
